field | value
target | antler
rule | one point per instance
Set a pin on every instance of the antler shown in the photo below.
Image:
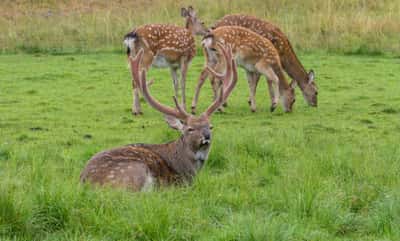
(230, 73)
(140, 80)
(135, 64)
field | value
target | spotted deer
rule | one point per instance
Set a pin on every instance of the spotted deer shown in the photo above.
(141, 166)
(165, 46)
(290, 63)
(257, 56)
(289, 60)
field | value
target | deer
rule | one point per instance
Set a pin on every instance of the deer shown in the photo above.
(164, 46)
(257, 55)
(141, 167)
(289, 60)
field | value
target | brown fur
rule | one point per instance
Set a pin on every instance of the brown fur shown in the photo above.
(139, 166)
(257, 55)
(174, 45)
(289, 59)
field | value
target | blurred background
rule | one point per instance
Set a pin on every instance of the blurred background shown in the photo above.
(74, 26)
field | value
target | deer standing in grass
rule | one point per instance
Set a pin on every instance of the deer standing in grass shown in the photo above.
(290, 63)
(257, 56)
(141, 166)
(164, 46)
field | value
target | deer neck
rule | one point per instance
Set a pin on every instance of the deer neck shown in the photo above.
(179, 156)
(296, 70)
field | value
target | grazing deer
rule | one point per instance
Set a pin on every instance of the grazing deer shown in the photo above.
(257, 56)
(289, 60)
(164, 46)
(140, 166)
(290, 63)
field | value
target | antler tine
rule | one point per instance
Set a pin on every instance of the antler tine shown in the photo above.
(157, 105)
(224, 92)
(179, 107)
(135, 66)
(227, 53)
(232, 84)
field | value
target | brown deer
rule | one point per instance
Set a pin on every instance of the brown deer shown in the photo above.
(257, 56)
(164, 46)
(140, 166)
(290, 63)
(289, 60)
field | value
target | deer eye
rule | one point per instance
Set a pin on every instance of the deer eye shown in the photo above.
(211, 127)
(190, 129)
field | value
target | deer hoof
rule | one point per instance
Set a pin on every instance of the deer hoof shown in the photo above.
(225, 104)
(272, 108)
(136, 113)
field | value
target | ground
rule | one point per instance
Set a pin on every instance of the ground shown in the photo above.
(326, 173)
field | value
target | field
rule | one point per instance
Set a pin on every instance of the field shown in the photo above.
(74, 26)
(326, 173)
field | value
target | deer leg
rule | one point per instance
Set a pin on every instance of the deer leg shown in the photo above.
(215, 85)
(202, 78)
(175, 81)
(252, 87)
(255, 78)
(184, 68)
(136, 109)
(273, 83)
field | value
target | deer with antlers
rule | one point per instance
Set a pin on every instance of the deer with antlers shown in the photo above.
(290, 62)
(257, 56)
(165, 46)
(140, 166)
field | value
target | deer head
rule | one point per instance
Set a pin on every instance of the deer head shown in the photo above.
(196, 130)
(195, 25)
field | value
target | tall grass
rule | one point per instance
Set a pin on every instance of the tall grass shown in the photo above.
(326, 173)
(347, 26)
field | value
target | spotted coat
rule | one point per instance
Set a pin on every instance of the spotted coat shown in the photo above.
(289, 59)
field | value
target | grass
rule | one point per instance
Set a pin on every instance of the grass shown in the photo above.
(326, 173)
(72, 26)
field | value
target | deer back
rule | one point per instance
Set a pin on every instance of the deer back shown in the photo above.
(248, 47)
(134, 166)
(261, 27)
(170, 40)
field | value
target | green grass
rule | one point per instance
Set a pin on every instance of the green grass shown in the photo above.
(326, 173)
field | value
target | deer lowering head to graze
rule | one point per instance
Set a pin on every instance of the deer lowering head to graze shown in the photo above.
(256, 55)
(164, 46)
(140, 166)
(289, 60)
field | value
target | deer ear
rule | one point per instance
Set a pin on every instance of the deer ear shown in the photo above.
(184, 12)
(311, 76)
(174, 123)
(191, 11)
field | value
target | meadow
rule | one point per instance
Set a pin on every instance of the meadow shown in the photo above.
(326, 173)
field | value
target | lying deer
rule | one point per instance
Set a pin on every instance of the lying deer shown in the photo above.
(165, 46)
(141, 166)
(289, 60)
(257, 56)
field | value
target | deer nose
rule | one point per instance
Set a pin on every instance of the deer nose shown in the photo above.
(207, 136)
